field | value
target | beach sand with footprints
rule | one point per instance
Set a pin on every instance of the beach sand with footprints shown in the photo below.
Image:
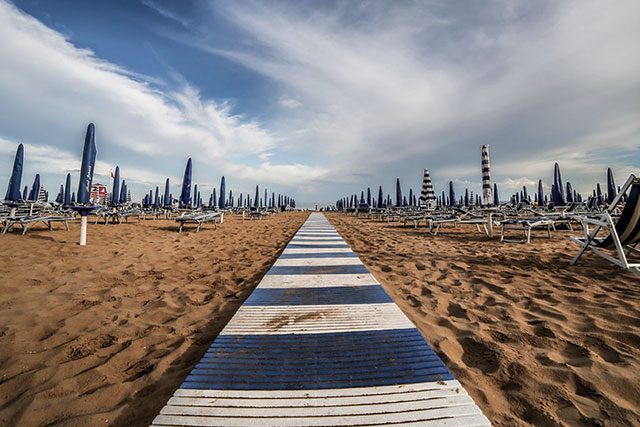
(533, 340)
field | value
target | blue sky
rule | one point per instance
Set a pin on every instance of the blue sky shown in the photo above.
(322, 99)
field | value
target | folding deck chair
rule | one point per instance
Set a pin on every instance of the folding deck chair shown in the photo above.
(526, 225)
(624, 235)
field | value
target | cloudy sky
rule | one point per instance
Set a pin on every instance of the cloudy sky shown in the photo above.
(319, 99)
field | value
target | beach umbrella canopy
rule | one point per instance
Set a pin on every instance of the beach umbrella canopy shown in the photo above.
(67, 190)
(369, 196)
(266, 198)
(256, 200)
(540, 192)
(198, 200)
(486, 176)
(73, 197)
(380, 197)
(60, 197)
(466, 197)
(223, 191)
(427, 195)
(195, 196)
(216, 202)
(115, 191)
(123, 192)
(411, 196)
(25, 192)
(167, 194)
(156, 200)
(13, 191)
(524, 192)
(231, 198)
(599, 195)
(88, 165)
(611, 186)
(185, 196)
(558, 195)
(496, 199)
(35, 189)
(452, 194)
(570, 198)
(398, 193)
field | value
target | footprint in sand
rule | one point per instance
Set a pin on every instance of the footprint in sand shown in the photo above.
(478, 355)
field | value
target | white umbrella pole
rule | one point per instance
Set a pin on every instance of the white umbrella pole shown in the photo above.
(83, 230)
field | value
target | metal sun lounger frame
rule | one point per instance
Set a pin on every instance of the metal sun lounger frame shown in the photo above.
(26, 221)
(624, 235)
(199, 218)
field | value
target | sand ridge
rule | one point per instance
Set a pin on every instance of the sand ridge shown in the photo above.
(103, 335)
(533, 340)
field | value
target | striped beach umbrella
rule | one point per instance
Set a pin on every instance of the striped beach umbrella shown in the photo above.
(611, 186)
(486, 176)
(67, 190)
(452, 194)
(13, 190)
(185, 195)
(427, 195)
(223, 192)
(88, 165)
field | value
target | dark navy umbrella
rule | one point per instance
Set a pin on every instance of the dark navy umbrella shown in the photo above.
(67, 191)
(13, 191)
(195, 195)
(466, 197)
(256, 201)
(452, 194)
(558, 196)
(223, 192)
(214, 198)
(410, 196)
(198, 200)
(73, 197)
(115, 192)
(185, 196)
(569, 193)
(398, 193)
(231, 198)
(156, 201)
(540, 193)
(496, 199)
(369, 196)
(380, 197)
(123, 192)
(524, 192)
(87, 166)
(167, 194)
(25, 192)
(611, 186)
(599, 195)
(35, 189)
(60, 197)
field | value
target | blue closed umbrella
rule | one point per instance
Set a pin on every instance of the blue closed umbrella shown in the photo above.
(540, 193)
(67, 191)
(452, 194)
(185, 196)
(231, 198)
(156, 201)
(256, 201)
(167, 194)
(569, 193)
(398, 193)
(369, 196)
(524, 192)
(73, 197)
(611, 186)
(411, 196)
(60, 197)
(380, 197)
(214, 198)
(87, 166)
(115, 194)
(466, 197)
(222, 204)
(25, 192)
(35, 189)
(599, 195)
(558, 195)
(195, 196)
(496, 199)
(13, 191)
(123, 192)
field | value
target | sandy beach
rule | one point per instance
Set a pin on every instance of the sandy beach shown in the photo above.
(533, 340)
(103, 334)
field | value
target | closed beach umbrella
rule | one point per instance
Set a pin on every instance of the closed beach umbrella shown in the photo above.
(266, 198)
(231, 198)
(570, 198)
(87, 166)
(599, 195)
(411, 196)
(380, 197)
(398, 193)
(115, 191)
(198, 200)
(223, 192)
(185, 195)
(25, 192)
(611, 186)
(123, 192)
(256, 200)
(35, 189)
(369, 196)
(195, 196)
(67, 190)
(466, 197)
(540, 193)
(167, 194)
(427, 195)
(156, 201)
(524, 192)
(214, 198)
(60, 197)
(486, 176)
(73, 197)
(559, 189)
(13, 190)
(452, 194)
(496, 199)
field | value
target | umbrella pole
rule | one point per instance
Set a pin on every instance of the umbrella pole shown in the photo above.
(83, 230)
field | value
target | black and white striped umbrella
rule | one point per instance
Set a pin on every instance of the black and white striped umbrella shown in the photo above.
(486, 177)
(427, 196)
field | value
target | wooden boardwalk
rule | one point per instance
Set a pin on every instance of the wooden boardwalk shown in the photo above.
(320, 343)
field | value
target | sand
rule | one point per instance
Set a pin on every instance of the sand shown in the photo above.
(104, 334)
(533, 340)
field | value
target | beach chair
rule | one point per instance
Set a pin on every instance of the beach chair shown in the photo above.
(525, 225)
(623, 236)
(199, 218)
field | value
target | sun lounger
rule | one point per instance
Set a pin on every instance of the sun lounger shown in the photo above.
(199, 218)
(525, 225)
(26, 221)
(624, 234)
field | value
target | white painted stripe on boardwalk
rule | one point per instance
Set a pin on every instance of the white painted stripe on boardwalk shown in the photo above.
(317, 250)
(315, 280)
(293, 262)
(313, 319)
